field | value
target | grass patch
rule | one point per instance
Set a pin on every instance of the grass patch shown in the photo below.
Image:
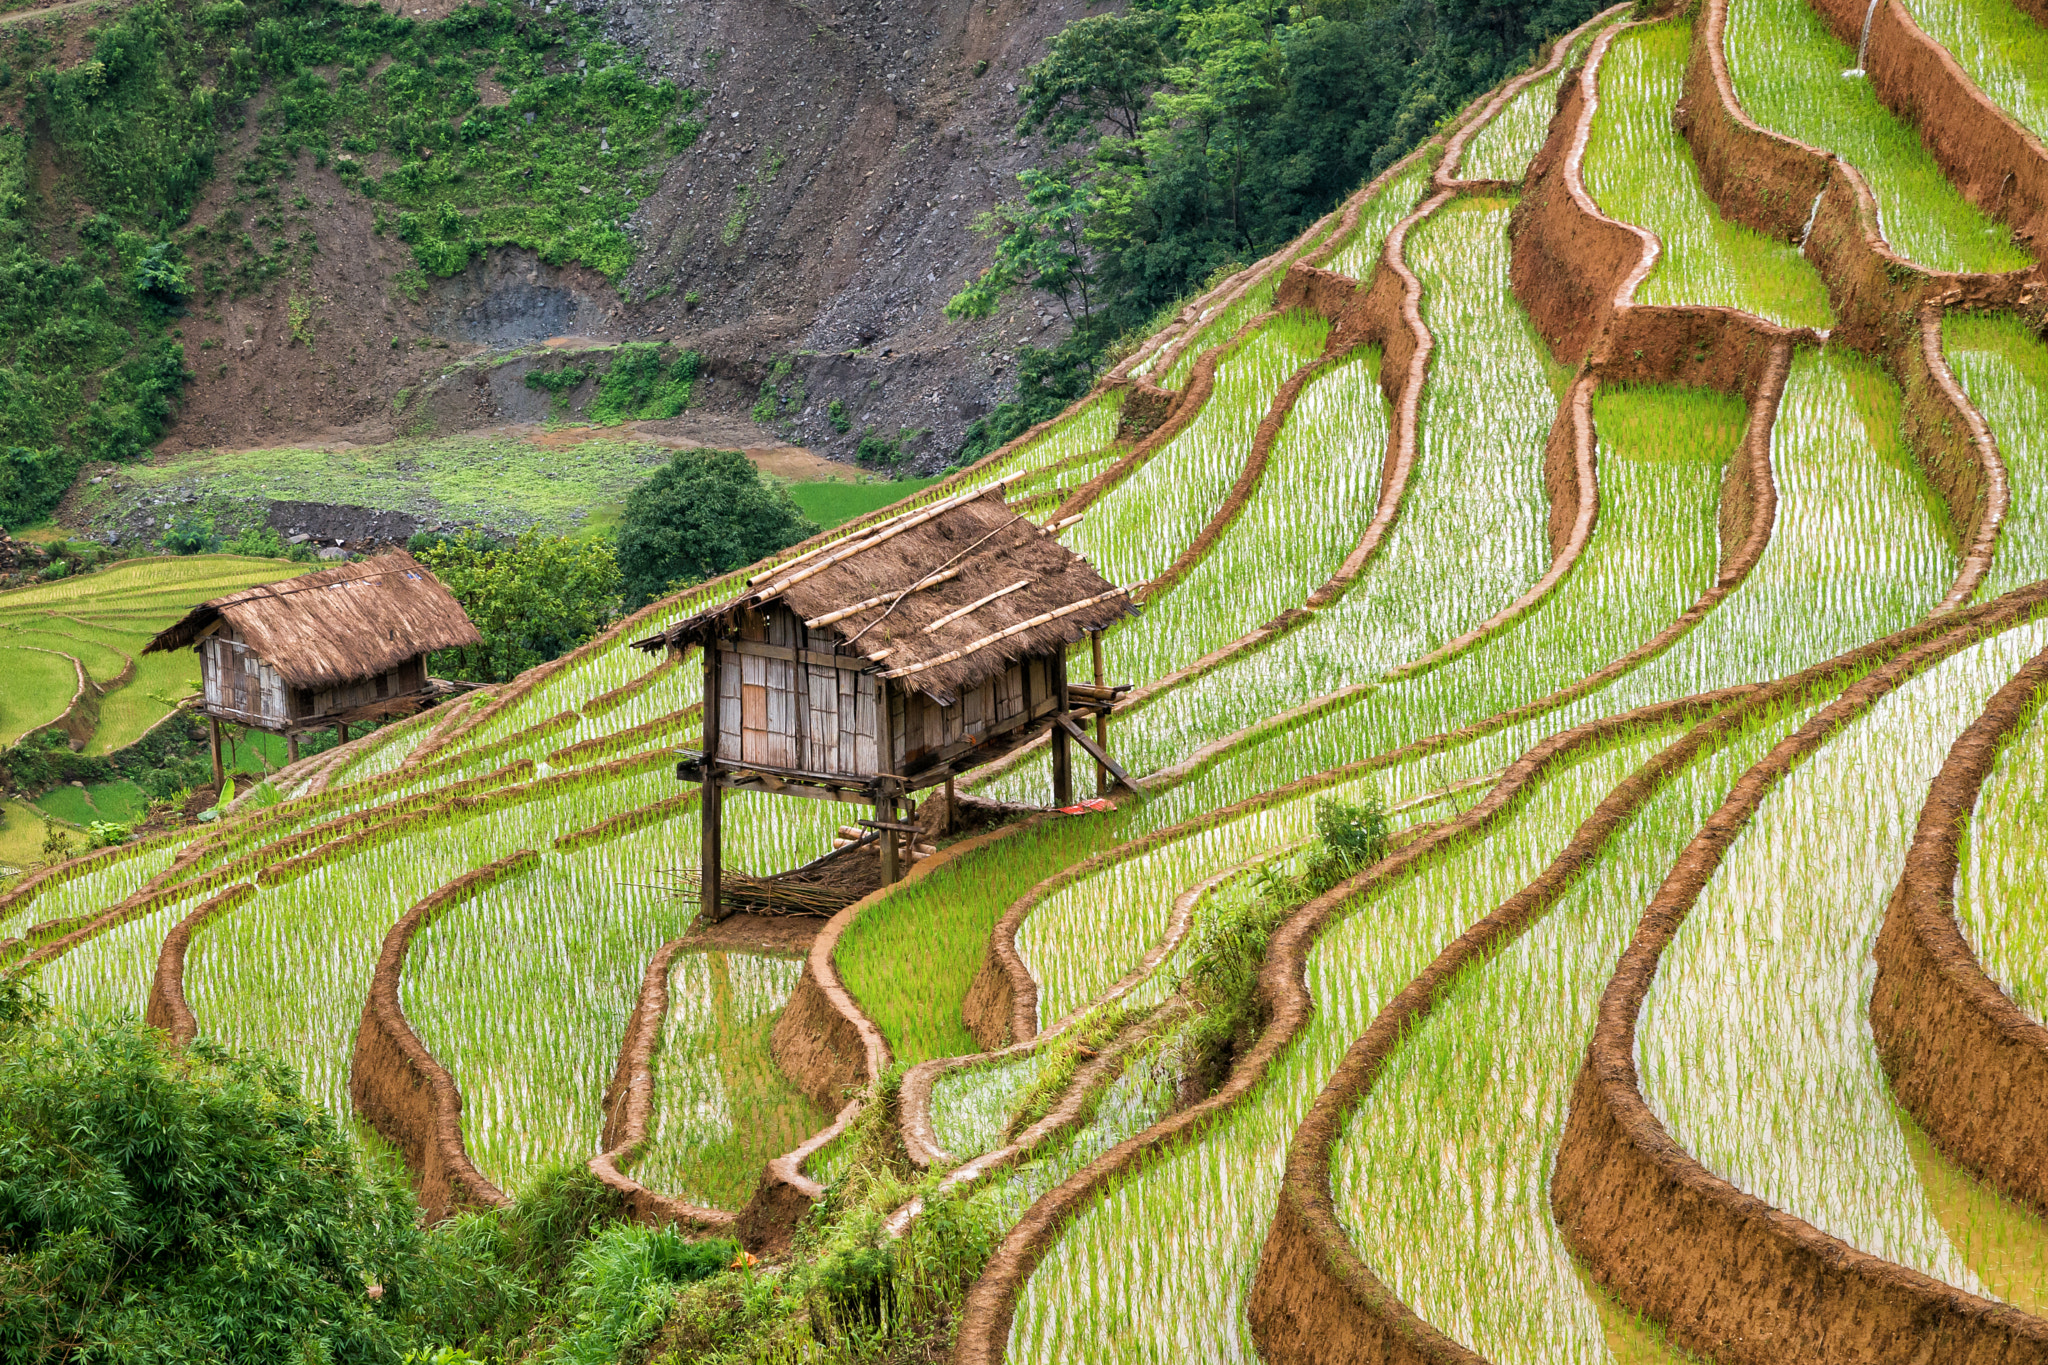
(504, 485)
(119, 802)
(831, 502)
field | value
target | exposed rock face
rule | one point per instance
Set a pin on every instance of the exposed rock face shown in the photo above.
(821, 221)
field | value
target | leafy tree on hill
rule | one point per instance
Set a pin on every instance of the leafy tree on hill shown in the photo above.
(705, 513)
(533, 600)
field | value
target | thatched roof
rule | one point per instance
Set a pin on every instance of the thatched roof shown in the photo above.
(338, 625)
(1040, 596)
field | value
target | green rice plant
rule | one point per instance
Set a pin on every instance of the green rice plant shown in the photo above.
(524, 992)
(1116, 1284)
(1754, 1044)
(2003, 368)
(722, 1108)
(1998, 894)
(40, 684)
(1999, 48)
(108, 975)
(1319, 493)
(289, 970)
(1471, 536)
(1360, 251)
(157, 573)
(1789, 73)
(1503, 149)
(2004, 1242)
(971, 1106)
(1640, 170)
(1134, 532)
(97, 887)
(1440, 1176)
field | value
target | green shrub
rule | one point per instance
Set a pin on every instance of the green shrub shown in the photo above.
(190, 534)
(621, 1284)
(532, 600)
(640, 386)
(704, 513)
(189, 1199)
(257, 540)
(836, 414)
(106, 834)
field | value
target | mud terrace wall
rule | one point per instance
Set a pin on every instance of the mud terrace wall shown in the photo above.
(1730, 1276)
(401, 1088)
(1966, 1062)
(167, 1008)
(1998, 166)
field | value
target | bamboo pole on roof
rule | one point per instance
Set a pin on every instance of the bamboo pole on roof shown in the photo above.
(950, 655)
(870, 541)
(857, 608)
(976, 605)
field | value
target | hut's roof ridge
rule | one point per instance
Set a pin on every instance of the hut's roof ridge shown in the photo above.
(941, 597)
(351, 621)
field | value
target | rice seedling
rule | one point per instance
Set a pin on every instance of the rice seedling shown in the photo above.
(1653, 551)
(1999, 900)
(1134, 532)
(99, 886)
(102, 664)
(1221, 329)
(971, 1106)
(1186, 1225)
(2005, 1243)
(524, 993)
(108, 975)
(722, 1107)
(1472, 534)
(2003, 368)
(1360, 251)
(1788, 71)
(1319, 493)
(1441, 1174)
(1999, 48)
(1754, 1043)
(1640, 170)
(1503, 149)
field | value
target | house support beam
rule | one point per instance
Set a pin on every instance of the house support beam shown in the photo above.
(709, 858)
(1062, 752)
(1102, 773)
(213, 733)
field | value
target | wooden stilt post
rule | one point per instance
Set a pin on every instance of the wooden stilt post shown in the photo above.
(291, 748)
(1102, 716)
(885, 785)
(1062, 748)
(213, 733)
(710, 856)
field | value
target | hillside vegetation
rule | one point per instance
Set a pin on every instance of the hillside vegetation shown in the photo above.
(1584, 901)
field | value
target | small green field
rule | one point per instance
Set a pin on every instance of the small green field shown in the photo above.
(831, 503)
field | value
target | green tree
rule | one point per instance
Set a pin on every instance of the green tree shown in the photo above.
(705, 513)
(532, 600)
(1041, 243)
(1102, 68)
(180, 1205)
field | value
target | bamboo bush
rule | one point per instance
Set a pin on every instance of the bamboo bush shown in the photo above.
(1754, 1044)
(1788, 71)
(1639, 169)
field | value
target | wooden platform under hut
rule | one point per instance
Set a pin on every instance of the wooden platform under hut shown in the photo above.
(890, 662)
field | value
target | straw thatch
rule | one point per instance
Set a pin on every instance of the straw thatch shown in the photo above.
(990, 547)
(338, 625)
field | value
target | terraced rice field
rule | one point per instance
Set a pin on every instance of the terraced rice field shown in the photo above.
(1652, 648)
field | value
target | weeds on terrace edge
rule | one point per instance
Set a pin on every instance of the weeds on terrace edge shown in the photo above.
(1222, 975)
(847, 1292)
